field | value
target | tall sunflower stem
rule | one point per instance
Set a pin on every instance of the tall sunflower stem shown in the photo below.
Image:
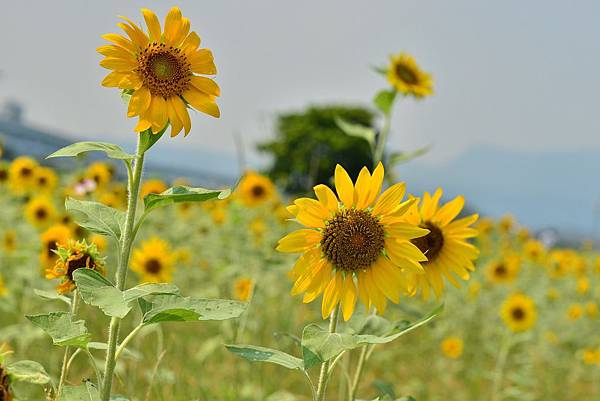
(358, 373)
(324, 373)
(64, 371)
(499, 370)
(382, 138)
(121, 274)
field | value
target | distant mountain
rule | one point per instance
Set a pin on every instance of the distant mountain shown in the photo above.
(541, 189)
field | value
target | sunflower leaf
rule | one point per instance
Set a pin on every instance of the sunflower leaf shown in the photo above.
(97, 291)
(261, 354)
(175, 308)
(28, 371)
(357, 130)
(384, 100)
(62, 329)
(396, 158)
(75, 149)
(183, 194)
(96, 217)
(146, 289)
(52, 295)
(148, 139)
(86, 392)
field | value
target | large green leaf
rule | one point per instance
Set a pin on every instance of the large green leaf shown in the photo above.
(52, 295)
(148, 139)
(357, 130)
(175, 308)
(113, 151)
(96, 217)
(96, 290)
(62, 329)
(28, 371)
(183, 194)
(85, 392)
(262, 354)
(146, 289)
(384, 100)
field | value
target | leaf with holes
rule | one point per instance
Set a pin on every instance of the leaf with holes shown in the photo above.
(261, 354)
(62, 329)
(113, 151)
(183, 194)
(96, 217)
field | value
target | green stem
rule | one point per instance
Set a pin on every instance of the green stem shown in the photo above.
(121, 274)
(126, 341)
(382, 138)
(358, 373)
(64, 372)
(499, 370)
(324, 374)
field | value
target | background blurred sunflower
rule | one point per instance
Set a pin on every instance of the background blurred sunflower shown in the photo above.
(153, 186)
(407, 78)
(153, 261)
(159, 70)
(21, 174)
(56, 234)
(518, 312)
(45, 179)
(255, 189)
(100, 172)
(359, 247)
(503, 270)
(40, 211)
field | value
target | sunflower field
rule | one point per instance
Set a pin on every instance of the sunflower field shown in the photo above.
(117, 285)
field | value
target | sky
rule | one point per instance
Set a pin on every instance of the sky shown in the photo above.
(514, 75)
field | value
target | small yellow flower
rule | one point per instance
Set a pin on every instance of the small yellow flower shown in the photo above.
(407, 78)
(519, 312)
(110, 199)
(183, 256)
(575, 311)
(45, 179)
(153, 186)
(40, 211)
(218, 215)
(72, 256)
(21, 175)
(534, 250)
(485, 226)
(101, 173)
(591, 356)
(154, 261)
(159, 69)
(591, 309)
(583, 286)
(506, 224)
(504, 270)
(243, 288)
(452, 347)
(9, 241)
(255, 189)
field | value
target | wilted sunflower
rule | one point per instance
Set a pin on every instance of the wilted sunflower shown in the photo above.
(40, 211)
(242, 288)
(153, 186)
(56, 234)
(74, 255)
(518, 312)
(21, 174)
(360, 247)
(45, 179)
(5, 390)
(100, 172)
(153, 261)
(159, 70)
(503, 270)
(255, 189)
(452, 347)
(446, 247)
(405, 75)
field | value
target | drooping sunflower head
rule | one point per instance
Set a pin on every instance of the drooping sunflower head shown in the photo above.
(21, 174)
(242, 288)
(40, 211)
(154, 261)
(153, 186)
(56, 234)
(255, 189)
(503, 270)
(160, 68)
(407, 78)
(101, 173)
(518, 312)
(356, 244)
(452, 347)
(74, 255)
(449, 254)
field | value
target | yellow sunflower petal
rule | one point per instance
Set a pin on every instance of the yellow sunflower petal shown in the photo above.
(176, 124)
(348, 297)
(299, 240)
(405, 231)
(449, 211)
(343, 186)
(430, 204)
(206, 85)
(390, 199)
(202, 62)
(326, 196)
(139, 102)
(376, 183)
(120, 40)
(331, 296)
(190, 43)
(153, 24)
(362, 189)
(118, 64)
(158, 113)
(182, 113)
(173, 24)
(202, 102)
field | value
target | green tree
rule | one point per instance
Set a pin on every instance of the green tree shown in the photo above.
(309, 144)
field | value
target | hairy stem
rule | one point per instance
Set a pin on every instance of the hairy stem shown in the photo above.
(121, 274)
(324, 374)
(64, 372)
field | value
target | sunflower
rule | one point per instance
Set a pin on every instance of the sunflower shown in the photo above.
(110, 199)
(74, 255)
(9, 241)
(100, 242)
(153, 186)
(591, 309)
(503, 270)
(452, 347)
(446, 245)
(56, 234)
(21, 174)
(405, 75)
(101, 173)
(45, 179)
(243, 288)
(154, 261)
(575, 311)
(534, 250)
(5, 390)
(40, 211)
(159, 70)
(3, 290)
(357, 246)
(255, 189)
(518, 312)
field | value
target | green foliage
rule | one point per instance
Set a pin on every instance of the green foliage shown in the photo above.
(183, 194)
(175, 308)
(113, 151)
(51, 296)
(148, 139)
(62, 329)
(384, 100)
(85, 392)
(96, 290)
(309, 144)
(261, 354)
(28, 371)
(96, 217)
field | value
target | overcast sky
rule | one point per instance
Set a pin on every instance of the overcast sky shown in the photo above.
(516, 74)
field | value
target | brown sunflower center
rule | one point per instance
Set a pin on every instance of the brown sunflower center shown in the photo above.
(406, 74)
(153, 266)
(500, 270)
(84, 261)
(518, 313)
(352, 240)
(25, 172)
(3, 175)
(258, 191)
(431, 244)
(165, 70)
(41, 213)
